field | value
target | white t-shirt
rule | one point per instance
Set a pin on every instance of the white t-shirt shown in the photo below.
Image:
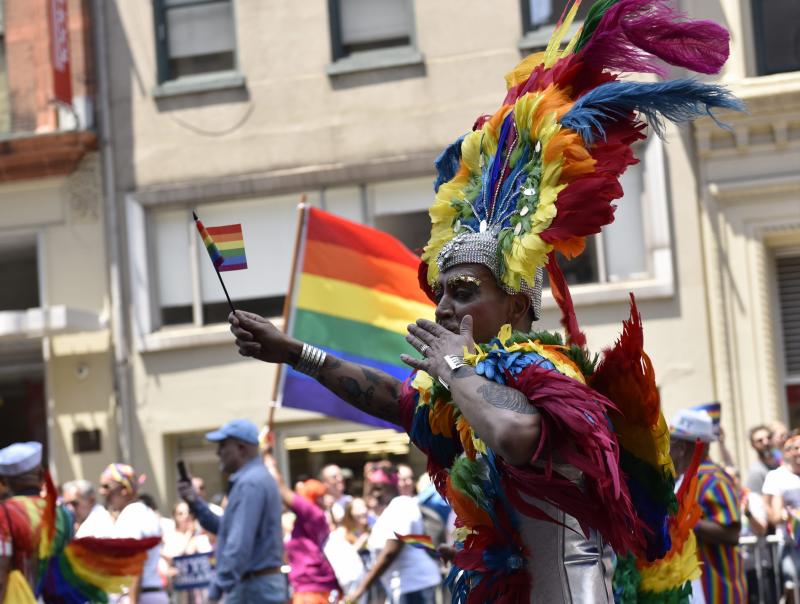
(137, 521)
(345, 560)
(782, 481)
(413, 569)
(98, 523)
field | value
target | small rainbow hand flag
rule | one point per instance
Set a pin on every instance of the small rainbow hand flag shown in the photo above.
(419, 541)
(230, 242)
(793, 527)
(224, 244)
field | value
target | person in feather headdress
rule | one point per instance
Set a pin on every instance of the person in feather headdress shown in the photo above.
(549, 460)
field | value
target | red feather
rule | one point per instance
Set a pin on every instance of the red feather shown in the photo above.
(558, 285)
(626, 375)
(422, 277)
(576, 431)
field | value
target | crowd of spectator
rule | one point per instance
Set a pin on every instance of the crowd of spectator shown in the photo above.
(314, 540)
(337, 537)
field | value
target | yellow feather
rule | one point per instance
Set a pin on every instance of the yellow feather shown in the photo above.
(674, 571)
(552, 52)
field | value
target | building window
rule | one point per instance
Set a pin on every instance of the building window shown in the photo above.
(194, 37)
(620, 252)
(19, 265)
(400, 207)
(359, 26)
(776, 25)
(788, 278)
(539, 18)
(173, 282)
(188, 290)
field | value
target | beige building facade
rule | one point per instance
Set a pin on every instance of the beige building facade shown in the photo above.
(240, 108)
(56, 377)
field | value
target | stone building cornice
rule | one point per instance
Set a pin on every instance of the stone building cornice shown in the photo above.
(771, 123)
(288, 180)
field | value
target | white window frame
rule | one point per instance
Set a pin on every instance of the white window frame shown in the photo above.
(343, 63)
(538, 37)
(660, 282)
(786, 378)
(148, 336)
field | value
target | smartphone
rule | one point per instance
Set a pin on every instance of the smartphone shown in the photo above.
(182, 472)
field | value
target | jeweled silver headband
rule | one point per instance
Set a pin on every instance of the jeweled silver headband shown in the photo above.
(481, 248)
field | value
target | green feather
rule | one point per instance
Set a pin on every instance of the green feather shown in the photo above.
(468, 477)
(679, 595)
(626, 580)
(593, 17)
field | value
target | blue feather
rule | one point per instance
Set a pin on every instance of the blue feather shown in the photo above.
(676, 101)
(447, 164)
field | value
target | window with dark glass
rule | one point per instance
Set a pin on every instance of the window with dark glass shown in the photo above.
(194, 37)
(543, 13)
(787, 273)
(776, 25)
(19, 265)
(367, 25)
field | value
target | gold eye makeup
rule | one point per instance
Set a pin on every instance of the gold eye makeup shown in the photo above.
(463, 280)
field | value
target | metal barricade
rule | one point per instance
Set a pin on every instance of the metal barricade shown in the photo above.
(749, 544)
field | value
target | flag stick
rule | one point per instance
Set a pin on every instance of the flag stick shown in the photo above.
(225, 289)
(216, 270)
(287, 303)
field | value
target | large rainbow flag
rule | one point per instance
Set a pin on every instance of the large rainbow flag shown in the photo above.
(355, 291)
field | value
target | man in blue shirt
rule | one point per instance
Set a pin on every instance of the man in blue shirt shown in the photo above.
(249, 547)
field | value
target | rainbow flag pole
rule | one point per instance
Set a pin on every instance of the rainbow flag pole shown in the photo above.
(213, 252)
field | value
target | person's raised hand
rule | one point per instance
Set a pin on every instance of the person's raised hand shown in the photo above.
(187, 491)
(259, 338)
(434, 342)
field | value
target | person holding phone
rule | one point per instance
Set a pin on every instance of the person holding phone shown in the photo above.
(249, 541)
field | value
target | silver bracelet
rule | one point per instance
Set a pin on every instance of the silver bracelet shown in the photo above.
(311, 360)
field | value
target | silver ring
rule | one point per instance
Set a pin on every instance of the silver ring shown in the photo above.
(424, 350)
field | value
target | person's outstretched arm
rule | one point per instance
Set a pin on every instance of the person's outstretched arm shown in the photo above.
(365, 388)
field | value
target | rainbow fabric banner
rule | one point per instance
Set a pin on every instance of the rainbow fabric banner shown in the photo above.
(230, 242)
(793, 527)
(714, 410)
(419, 541)
(355, 292)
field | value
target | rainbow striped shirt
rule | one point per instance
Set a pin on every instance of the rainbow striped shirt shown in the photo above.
(723, 570)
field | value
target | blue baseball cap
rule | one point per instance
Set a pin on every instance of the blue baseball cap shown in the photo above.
(240, 429)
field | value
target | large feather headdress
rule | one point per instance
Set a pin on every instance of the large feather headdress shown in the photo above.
(540, 174)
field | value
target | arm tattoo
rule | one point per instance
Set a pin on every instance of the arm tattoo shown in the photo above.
(506, 398)
(364, 388)
(355, 391)
(390, 386)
